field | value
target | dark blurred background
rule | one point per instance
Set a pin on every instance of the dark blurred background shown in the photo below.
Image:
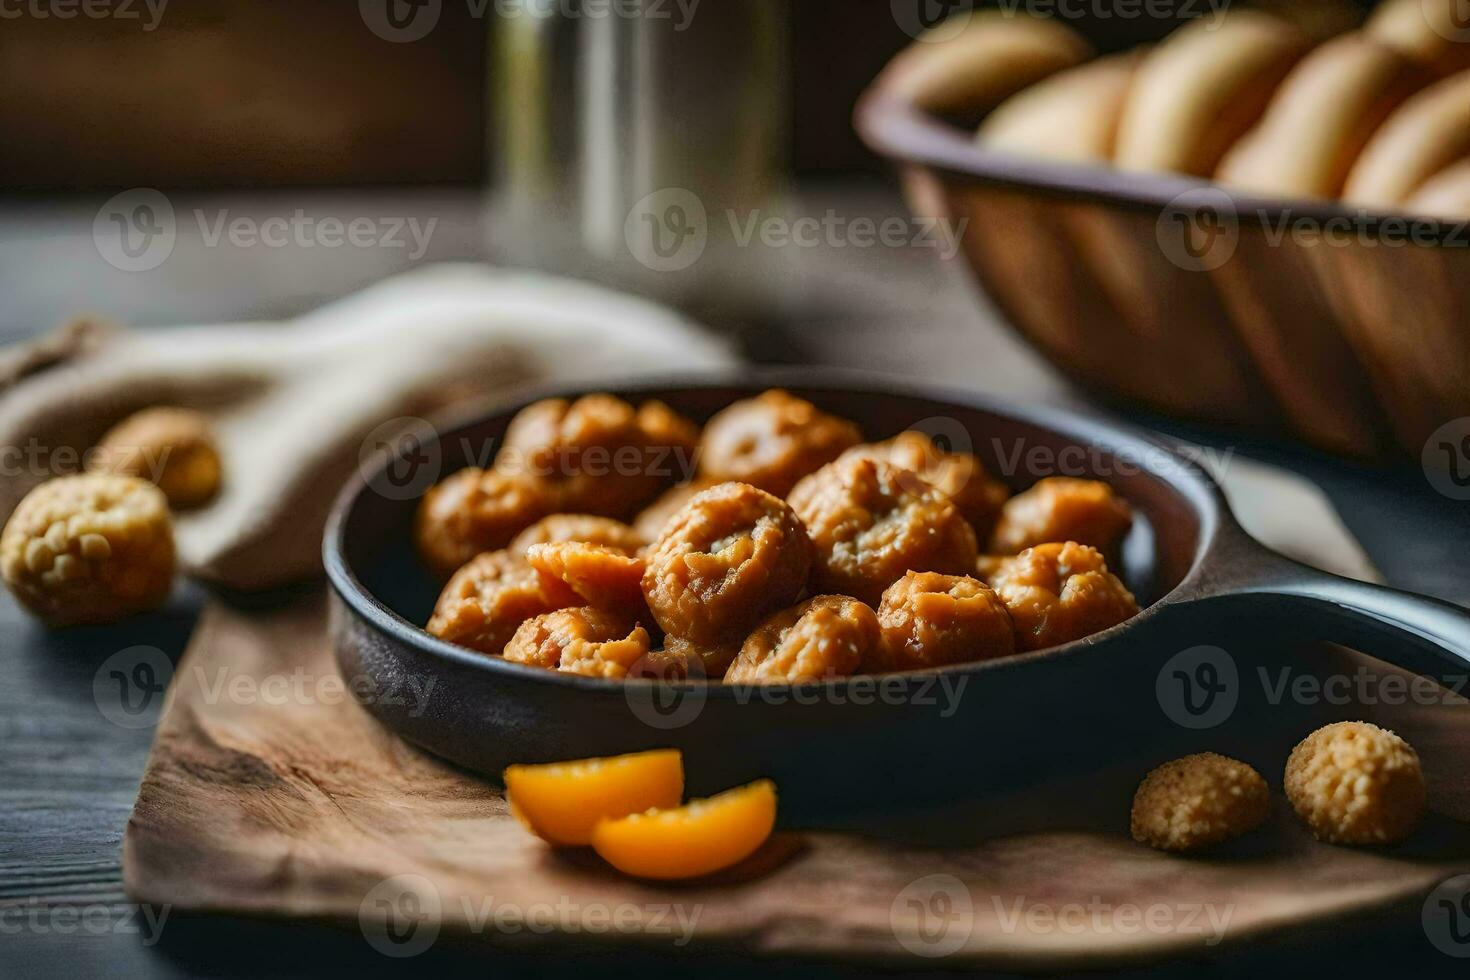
(234, 93)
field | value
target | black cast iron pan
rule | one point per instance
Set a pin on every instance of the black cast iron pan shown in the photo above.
(848, 746)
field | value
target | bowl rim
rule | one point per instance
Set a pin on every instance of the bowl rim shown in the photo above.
(894, 127)
(1205, 497)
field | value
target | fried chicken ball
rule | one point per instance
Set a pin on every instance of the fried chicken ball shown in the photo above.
(1356, 783)
(579, 527)
(172, 448)
(725, 561)
(959, 476)
(488, 599)
(1057, 593)
(871, 522)
(473, 511)
(92, 548)
(825, 636)
(1197, 801)
(771, 441)
(1061, 508)
(582, 640)
(930, 620)
(598, 454)
(608, 578)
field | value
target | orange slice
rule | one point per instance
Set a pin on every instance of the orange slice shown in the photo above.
(688, 841)
(561, 802)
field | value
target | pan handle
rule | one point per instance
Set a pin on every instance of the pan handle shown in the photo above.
(1416, 632)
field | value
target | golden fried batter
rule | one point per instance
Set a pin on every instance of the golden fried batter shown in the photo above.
(92, 548)
(1057, 593)
(651, 520)
(930, 620)
(579, 527)
(591, 642)
(959, 476)
(1060, 508)
(727, 559)
(871, 522)
(1356, 783)
(1197, 801)
(825, 636)
(490, 597)
(608, 578)
(599, 455)
(473, 511)
(771, 441)
(173, 448)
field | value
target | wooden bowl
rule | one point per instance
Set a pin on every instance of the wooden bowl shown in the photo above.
(1187, 298)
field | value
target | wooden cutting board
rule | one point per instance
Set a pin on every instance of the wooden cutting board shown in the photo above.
(269, 791)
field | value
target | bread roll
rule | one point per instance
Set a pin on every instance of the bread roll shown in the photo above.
(1201, 89)
(1426, 134)
(1321, 118)
(1070, 116)
(1432, 32)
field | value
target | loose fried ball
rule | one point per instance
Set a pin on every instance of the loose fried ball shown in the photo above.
(825, 636)
(871, 522)
(591, 642)
(930, 620)
(598, 454)
(1060, 508)
(1356, 783)
(714, 659)
(92, 548)
(771, 441)
(474, 511)
(959, 476)
(605, 577)
(490, 597)
(651, 520)
(172, 448)
(579, 527)
(1057, 593)
(1197, 801)
(724, 562)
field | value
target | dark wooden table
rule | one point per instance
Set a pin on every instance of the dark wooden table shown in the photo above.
(68, 776)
